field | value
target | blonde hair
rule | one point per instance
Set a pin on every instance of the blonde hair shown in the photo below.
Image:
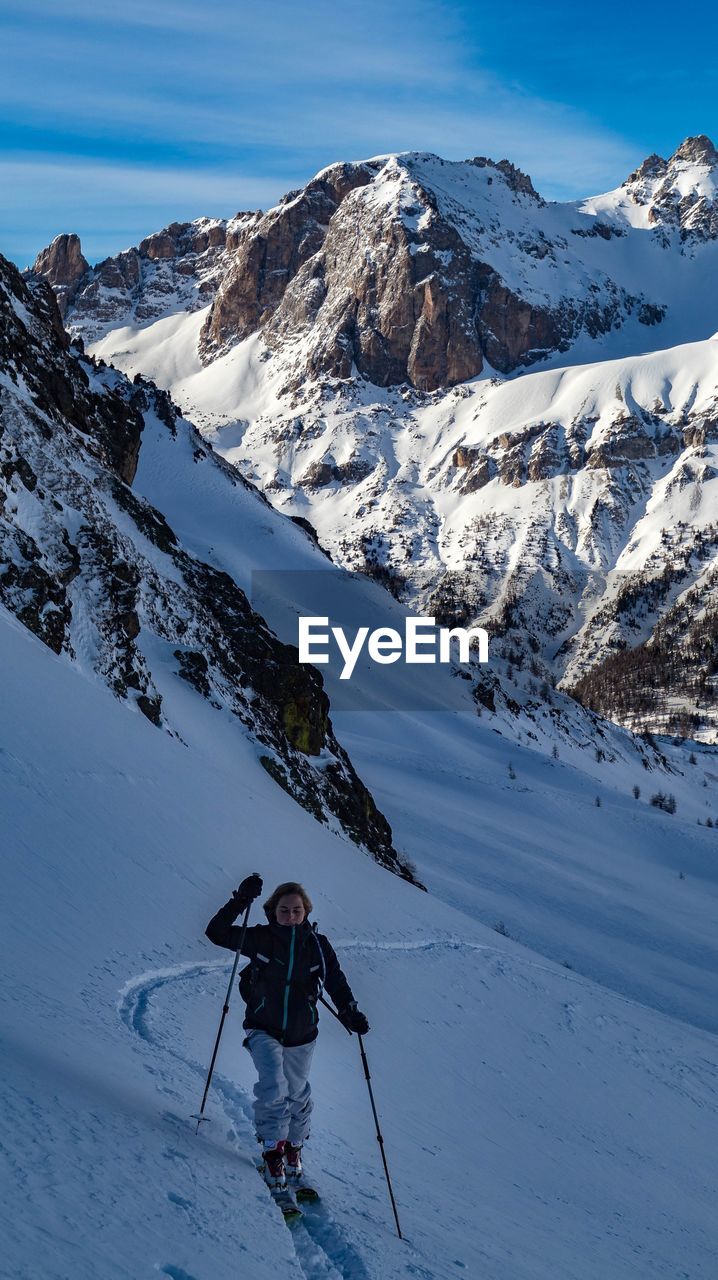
(290, 886)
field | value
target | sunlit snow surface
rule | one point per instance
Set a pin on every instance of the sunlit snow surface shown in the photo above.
(536, 1124)
(408, 498)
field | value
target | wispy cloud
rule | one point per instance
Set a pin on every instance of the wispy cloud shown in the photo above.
(113, 201)
(119, 118)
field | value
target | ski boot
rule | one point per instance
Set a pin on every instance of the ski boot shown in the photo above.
(272, 1167)
(273, 1171)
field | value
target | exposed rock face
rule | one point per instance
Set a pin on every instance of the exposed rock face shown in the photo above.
(476, 466)
(515, 179)
(464, 457)
(401, 309)
(63, 265)
(516, 332)
(697, 150)
(101, 577)
(62, 262)
(272, 252)
(37, 352)
(325, 471)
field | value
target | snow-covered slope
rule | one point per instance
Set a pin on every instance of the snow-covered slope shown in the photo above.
(438, 722)
(569, 510)
(98, 573)
(550, 1097)
(533, 1066)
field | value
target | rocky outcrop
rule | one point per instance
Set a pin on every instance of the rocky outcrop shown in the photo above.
(476, 466)
(545, 456)
(397, 293)
(325, 471)
(700, 432)
(477, 476)
(516, 332)
(464, 457)
(514, 178)
(36, 350)
(399, 310)
(696, 150)
(63, 265)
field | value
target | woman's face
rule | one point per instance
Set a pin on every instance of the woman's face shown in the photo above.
(290, 909)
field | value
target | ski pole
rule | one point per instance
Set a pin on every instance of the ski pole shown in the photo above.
(379, 1137)
(225, 1011)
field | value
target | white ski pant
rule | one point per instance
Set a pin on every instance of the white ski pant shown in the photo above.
(283, 1099)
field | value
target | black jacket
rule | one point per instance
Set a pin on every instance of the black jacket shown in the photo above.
(290, 964)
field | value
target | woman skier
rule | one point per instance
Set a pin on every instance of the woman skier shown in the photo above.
(290, 963)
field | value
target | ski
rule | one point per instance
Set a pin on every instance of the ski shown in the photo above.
(285, 1201)
(306, 1194)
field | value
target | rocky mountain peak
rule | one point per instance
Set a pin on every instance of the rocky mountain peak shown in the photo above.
(680, 195)
(62, 262)
(654, 166)
(404, 267)
(63, 265)
(696, 150)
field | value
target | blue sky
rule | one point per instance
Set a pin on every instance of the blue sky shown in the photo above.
(117, 118)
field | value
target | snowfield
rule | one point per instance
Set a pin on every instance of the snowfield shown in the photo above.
(522, 1104)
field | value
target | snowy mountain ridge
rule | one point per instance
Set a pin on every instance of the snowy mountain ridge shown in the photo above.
(679, 194)
(571, 508)
(462, 265)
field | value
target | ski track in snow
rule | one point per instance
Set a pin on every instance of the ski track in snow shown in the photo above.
(321, 1246)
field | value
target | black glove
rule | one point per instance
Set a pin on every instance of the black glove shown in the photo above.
(250, 888)
(353, 1019)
